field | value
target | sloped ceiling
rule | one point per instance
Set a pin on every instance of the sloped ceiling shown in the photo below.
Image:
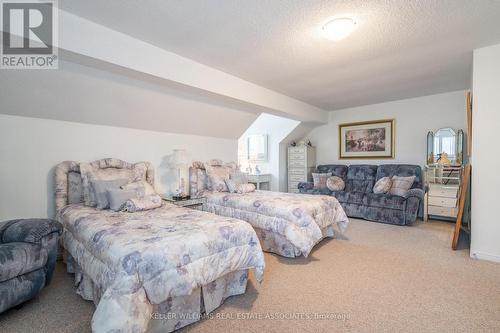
(400, 49)
(89, 95)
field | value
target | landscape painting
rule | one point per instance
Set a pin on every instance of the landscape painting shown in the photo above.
(371, 139)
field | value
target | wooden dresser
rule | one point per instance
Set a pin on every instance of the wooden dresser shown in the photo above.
(301, 163)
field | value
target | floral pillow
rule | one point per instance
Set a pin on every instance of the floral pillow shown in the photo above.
(147, 202)
(245, 188)
(217, 176)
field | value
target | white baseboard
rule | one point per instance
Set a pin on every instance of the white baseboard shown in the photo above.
(485, 256)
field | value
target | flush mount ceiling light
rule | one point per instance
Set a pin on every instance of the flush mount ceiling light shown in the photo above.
(339, 28)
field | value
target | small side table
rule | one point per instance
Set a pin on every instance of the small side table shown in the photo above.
(258, 180)
(193, 203)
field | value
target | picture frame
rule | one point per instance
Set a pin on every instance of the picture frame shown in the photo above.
(374, 139)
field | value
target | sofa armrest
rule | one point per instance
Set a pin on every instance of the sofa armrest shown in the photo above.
(28, 230)
(305, 186)
(415, 193)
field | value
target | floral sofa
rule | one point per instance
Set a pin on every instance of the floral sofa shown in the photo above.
(28, 252)
(358, 199)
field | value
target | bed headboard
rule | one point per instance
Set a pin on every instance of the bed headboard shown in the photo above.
(198, 180)
(68, 181)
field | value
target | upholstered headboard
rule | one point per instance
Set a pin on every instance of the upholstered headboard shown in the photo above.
(68, 181)
(198, 180)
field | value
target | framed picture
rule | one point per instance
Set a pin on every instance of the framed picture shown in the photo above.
(368, 139)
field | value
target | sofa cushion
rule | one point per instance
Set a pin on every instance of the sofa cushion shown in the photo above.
(384, 201)
(402, 170)
(20, 258)
(361, 178)
(323, 191)
(338, 170)
(349, 197)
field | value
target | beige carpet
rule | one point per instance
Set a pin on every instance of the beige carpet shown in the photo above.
(383, 278)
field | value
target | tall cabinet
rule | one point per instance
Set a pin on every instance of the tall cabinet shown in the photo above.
(301, 163)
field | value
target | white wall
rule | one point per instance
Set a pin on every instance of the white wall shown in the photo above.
(485, 234)
(30, 148)
(277, 129)
(414, 118)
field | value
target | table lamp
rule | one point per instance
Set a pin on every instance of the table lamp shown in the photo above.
(179, 161)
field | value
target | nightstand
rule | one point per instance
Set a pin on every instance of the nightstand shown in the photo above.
(261, 179)
(193, 203)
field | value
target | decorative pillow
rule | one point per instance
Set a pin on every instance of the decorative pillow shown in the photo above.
(142, 187)
(118, 197)
(320, 179)
(401, 185)
(231, 185)
(217, 176)
(335, 183)
(147, 202)
(383, 185)
(245, 188)
(99, 188)
(131, 172)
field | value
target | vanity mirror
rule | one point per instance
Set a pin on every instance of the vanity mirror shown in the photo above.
(445, 146)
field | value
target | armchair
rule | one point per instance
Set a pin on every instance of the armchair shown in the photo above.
(28, 253)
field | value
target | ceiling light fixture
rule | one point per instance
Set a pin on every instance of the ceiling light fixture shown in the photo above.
(339, 28)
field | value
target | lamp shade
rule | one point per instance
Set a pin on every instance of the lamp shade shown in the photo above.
(179, 158)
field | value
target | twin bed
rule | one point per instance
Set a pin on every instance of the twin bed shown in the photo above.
(287, 224)
(161, 269)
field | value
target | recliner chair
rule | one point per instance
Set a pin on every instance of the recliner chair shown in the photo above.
(28, 253)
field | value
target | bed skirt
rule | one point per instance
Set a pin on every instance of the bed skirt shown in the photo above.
(175, 312)
(276, 243)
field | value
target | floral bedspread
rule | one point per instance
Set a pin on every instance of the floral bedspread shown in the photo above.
(144, 258)
(297, 217)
